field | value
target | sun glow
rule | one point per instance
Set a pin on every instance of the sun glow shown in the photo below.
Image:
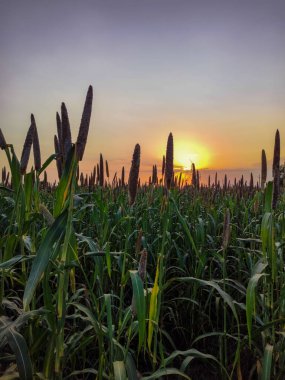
(186, 153)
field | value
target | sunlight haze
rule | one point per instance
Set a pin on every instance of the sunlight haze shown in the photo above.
(210, 72)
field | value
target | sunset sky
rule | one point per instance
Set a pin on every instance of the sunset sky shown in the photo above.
(209, 71)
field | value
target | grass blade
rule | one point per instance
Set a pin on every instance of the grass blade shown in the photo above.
(18, 345)
(119, 370)
(267, 362)
(43, 255)
(250, 297)
(139, 304)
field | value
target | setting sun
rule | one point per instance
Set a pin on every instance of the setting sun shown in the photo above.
(187, 153)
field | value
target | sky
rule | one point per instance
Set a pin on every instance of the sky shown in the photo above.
(209, 71)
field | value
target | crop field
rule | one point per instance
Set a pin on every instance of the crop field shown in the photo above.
(111, 278)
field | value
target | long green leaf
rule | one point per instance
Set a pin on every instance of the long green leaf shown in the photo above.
(46, 163)
(250, 296)
(267, 362)
(15, 170)
(107, 298)
(44, 253)
(28, 189)
(139, 300)
(15, 260)
(187, 231)
(119, 370)
(63, 187)
(268, 243)
(18, 345)
(166, 372)
(226, 297)
(268, 197)
(153, 306)
(131, 368)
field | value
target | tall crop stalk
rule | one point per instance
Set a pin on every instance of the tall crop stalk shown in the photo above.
(263, 168)
(64, 260)
(169, 162)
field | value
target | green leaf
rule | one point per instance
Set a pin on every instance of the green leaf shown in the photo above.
(107, 298)
(153, 306)
(46, 164)
(10, 246)
(108, 260)
(44, 253)
(18, 345)
(131, 368)
(139, 303)
(166, 372)
(191, 352)
(15, 171)
(187, 231)
(119, 370)
(268, 243)
(63, 187)
(28, 189)
(267, 362)
(82, 372)
(21, 320)
(226, 297)
(250, 296)
(268, 197)
(14, 260)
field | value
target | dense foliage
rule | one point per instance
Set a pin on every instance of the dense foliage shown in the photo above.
(75, 302)
(103, 280)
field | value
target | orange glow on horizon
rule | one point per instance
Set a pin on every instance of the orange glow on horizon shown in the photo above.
(188, 152)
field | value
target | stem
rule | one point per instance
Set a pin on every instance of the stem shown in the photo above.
(63, 283)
